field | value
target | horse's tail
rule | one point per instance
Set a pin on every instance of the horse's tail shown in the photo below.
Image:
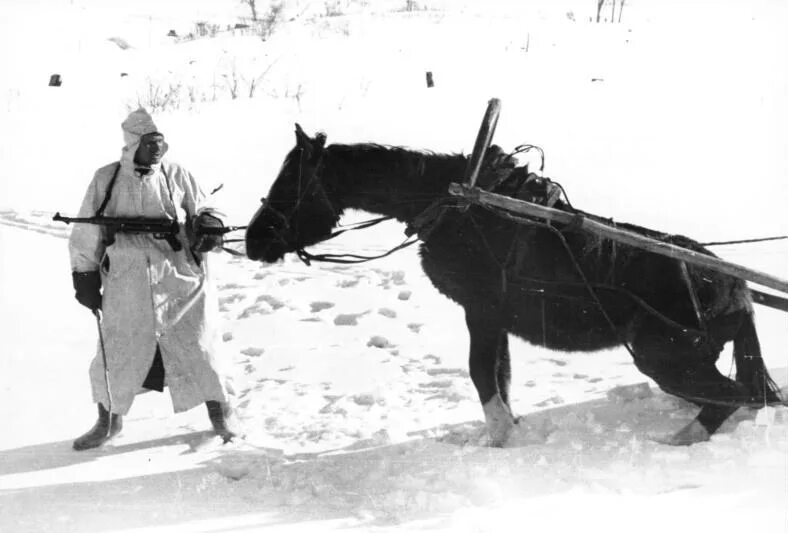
(750, 369)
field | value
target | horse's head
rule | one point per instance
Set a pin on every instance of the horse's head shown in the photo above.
(298, 211)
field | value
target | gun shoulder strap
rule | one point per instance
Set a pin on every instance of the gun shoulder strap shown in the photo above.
(108, 193)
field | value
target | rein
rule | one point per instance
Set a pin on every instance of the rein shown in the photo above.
(346, 259)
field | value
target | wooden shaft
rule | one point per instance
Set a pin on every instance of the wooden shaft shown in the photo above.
(476, 195)
(483, 139)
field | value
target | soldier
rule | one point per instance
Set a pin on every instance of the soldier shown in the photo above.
(157, 306)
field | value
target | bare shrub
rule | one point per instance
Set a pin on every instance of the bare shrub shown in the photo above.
(157, 97)
(333, 8)
(252, 6)
(601, 3)
(266, 26)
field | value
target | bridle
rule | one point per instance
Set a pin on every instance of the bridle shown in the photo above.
(299, 248)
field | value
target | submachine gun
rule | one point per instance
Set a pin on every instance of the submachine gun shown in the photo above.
(161, 228)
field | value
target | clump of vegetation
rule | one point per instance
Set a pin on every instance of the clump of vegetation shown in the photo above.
(601, 3)
(156, 97)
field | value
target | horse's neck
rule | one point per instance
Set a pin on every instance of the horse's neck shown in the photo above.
(392, 182)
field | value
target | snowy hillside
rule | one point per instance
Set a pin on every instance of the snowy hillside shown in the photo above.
(351, 382)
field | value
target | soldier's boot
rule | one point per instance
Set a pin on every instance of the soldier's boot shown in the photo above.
(106, 427)
(220, 414)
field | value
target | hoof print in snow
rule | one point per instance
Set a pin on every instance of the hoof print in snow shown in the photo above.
(388, 313)
(227, 336)
(316, 307)
(553, 400)
(275, 303)
(628, 393)
(348, 319)
(365, 399)
(398, 277)
(379, 438)
(414, 327)
(378, 342)
(434, 358)
(404, 295)
(253, 352)
(348, 283)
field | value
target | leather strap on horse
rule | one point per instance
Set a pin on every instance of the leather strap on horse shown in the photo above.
(307, 258)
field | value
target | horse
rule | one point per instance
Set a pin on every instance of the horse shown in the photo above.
(551, 285)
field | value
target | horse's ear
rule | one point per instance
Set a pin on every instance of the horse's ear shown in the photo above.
(302, 139)
(320, 140)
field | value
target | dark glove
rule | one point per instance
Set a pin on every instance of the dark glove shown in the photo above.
(88, 288)
(207, 233)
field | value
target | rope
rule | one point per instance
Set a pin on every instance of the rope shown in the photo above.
(745, 241)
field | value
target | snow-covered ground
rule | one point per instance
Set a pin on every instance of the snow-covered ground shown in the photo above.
(351, 382)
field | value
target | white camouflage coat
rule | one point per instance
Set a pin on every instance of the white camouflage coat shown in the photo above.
(151, 294)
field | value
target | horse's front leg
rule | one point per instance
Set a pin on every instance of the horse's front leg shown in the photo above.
(491, 372)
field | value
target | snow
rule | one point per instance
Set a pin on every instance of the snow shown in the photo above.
(351, 382)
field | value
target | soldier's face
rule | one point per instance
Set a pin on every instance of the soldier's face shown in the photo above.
(151, 149)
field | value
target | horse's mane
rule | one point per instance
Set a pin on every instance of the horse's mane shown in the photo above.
(383, 150)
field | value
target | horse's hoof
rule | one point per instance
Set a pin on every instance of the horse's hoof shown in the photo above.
(499, 421)
(692, 433)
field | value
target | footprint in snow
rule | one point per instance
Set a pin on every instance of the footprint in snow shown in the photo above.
(379, 342)
(318, 306)
(348, 319)
(553, 400)
(459, 372)
(437, 384)
(415, 327)
(275, 303)
(255, 309)
(388, 313)
(227, 286)
(253, 352)
(367, 400)
(434, 358)
(231, 298)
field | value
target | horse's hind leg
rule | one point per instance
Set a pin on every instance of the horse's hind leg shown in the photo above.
(687, 371)
(491, 372)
